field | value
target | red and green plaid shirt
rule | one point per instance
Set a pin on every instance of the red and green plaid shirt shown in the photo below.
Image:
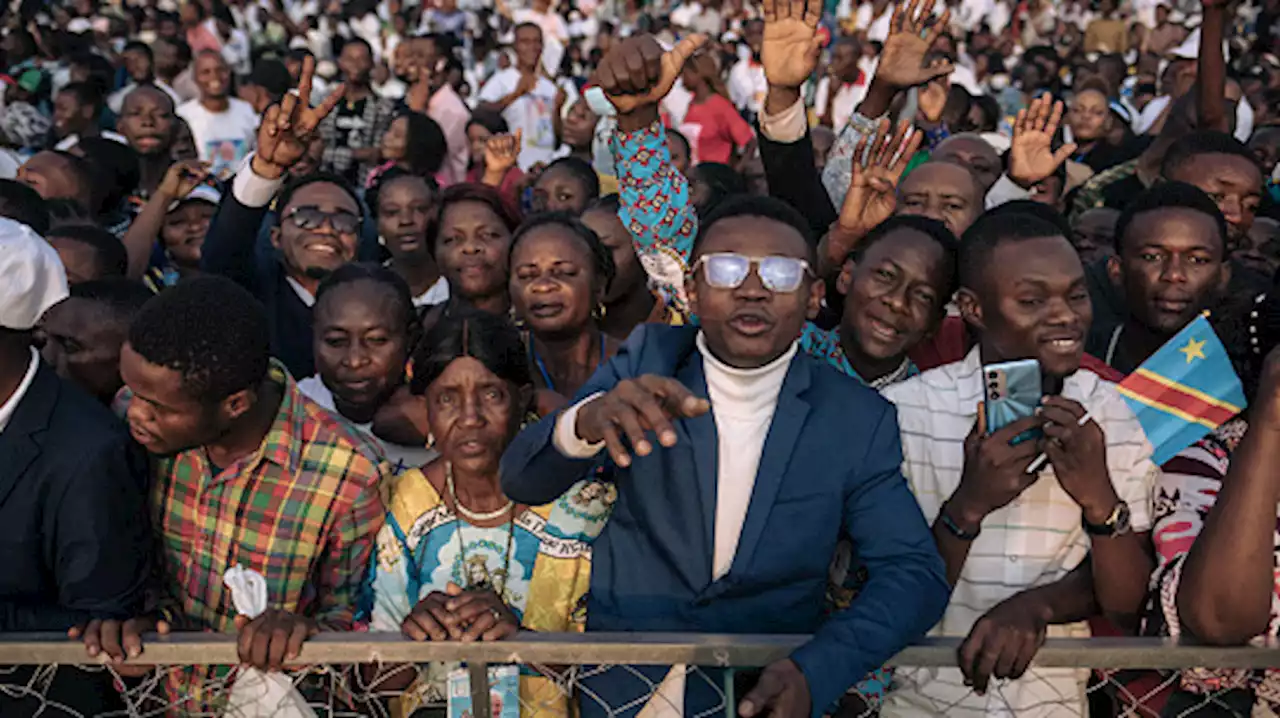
(303, 511)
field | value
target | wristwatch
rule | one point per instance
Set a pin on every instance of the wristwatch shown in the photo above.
(1117, 524)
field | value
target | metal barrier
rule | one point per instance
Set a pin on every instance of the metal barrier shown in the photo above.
(332, 650)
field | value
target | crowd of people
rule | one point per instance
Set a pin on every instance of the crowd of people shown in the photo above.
(457, 320)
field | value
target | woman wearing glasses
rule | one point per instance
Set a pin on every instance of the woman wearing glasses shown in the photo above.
(457, 559)
(560, 272)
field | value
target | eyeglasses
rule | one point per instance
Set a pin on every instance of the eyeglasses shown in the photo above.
(726, 270)
(342, 221)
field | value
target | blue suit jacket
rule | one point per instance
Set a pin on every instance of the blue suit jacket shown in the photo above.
(831, 466)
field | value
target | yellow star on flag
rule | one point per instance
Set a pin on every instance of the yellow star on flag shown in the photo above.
(1194, 350)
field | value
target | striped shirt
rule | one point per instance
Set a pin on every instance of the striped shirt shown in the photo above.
(1033, 541)
(303, 510)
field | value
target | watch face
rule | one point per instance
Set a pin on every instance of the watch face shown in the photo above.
(1123, 520)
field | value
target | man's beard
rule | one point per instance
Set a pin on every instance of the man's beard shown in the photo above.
(317, 273)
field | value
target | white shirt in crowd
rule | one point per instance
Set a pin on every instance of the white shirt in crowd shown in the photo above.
(70, 141)
(438, 293)
(401, 458)
(1035, 540)
(531, 114)
(847, 97)
(222, 138)
(747, 85)
(742, 403)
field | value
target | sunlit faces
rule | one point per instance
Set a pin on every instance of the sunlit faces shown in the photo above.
(212, 75)
(1171, 265)
(473, 413)
(165, 417)
(1090, 116)
(559, 189)
(314, 251)
(361, 345)
(1231, 181)
(750, 326)
(553, 283)
(147, 121)
(974, 154)
(1034, 306)
(943, 191)
(471, 248)
(405, 207)
(183, 232)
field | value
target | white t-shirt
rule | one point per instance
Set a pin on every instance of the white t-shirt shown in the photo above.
(401, 458)
(531, 114)
(224, 138)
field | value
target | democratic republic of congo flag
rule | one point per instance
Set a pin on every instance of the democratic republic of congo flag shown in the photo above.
(1184, 391)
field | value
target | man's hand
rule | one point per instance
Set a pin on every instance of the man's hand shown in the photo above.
(120, 641)
(481, 615)
(421, 88)
(1079, 457)
(932, 96)
(181, 178)
(912, 32)
(1031, 155)
(287, 128)
(638, 74)
(878, 164)
(995, 471)
(1003, 642)
(791, 43)
(272, 638)
(501, 153)
(528, 83)
(782, 692)
(633, 407)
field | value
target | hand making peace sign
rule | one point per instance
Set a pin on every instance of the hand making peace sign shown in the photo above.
(288, 127)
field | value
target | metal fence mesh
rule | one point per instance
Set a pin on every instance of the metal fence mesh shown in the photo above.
(367, 684)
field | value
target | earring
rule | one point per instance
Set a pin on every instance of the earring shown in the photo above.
(599, 312)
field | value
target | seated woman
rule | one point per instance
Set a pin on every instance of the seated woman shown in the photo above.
(414, 143)
(472, 246)
(559, 274)
(365, 328)
(404, 206)
(458, 560)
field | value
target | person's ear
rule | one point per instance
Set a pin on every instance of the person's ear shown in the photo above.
(970, 308)
(1115, 272)
(275, 236)
(845, 280)
(239, 403)
(817, 290)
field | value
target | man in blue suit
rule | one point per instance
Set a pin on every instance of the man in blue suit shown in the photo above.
(764, 458)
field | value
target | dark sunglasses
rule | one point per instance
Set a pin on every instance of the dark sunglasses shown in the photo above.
(311, 218)
(727, 270)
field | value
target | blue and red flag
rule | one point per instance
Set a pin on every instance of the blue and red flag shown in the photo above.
(1185, 390)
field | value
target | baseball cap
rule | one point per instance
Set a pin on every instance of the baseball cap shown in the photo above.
(202, 193)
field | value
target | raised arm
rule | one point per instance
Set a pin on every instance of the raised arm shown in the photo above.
(1211, 69)
(654, 196)
(179, 180)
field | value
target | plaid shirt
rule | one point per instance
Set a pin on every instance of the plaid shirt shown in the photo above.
(374, 121)
(304, 511)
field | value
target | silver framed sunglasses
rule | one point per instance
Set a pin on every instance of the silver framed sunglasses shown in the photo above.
(728, 270)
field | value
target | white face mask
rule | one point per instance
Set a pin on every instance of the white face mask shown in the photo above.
(998, 82)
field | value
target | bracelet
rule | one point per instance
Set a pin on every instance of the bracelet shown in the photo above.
(954, 528)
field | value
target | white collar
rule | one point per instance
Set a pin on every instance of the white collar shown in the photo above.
(10, 406)
(307, 297)
(744, 392)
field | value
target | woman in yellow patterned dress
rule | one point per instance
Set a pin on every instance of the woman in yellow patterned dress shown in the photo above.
(456, 559)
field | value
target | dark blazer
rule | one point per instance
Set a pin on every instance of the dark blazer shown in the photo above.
(831, 467)
(792, 178)
(236, 247)
(74, 537)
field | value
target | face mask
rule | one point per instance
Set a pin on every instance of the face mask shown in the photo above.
(999, 82)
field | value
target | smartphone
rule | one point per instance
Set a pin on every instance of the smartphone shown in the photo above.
(1013, 391)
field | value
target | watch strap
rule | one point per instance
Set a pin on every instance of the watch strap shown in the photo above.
(954, 528)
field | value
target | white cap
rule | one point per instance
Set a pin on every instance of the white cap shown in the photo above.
(32, 278)
(202, 193)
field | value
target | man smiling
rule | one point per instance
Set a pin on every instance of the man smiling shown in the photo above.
(1019, 562)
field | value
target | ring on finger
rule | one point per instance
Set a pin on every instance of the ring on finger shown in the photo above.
(497, 615)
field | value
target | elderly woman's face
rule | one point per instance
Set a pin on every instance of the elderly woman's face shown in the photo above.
(473, 413)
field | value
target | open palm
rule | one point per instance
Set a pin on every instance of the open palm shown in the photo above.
(791, 45)
(1031, 155)
(911, 34)
(877, 167)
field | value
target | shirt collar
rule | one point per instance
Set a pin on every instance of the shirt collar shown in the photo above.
(282, 443)
(306, 297)
(10, 405)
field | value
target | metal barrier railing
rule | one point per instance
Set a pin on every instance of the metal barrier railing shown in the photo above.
(544, 649)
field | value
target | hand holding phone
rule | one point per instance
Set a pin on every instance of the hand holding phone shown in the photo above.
(1013, 391)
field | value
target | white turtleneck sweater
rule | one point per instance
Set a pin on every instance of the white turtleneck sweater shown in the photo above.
(742, 404)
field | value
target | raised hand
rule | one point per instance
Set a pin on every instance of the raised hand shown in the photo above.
(632, 408)
(791, 43)
(288, 127)
(637, 73)
(932, 96)
(1031, 155)
(501, 152)
(912, 32)
(878, 164)
(182, 177)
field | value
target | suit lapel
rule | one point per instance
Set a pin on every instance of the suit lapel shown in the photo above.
(18, 445)
(779, 449)
(700, 433)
